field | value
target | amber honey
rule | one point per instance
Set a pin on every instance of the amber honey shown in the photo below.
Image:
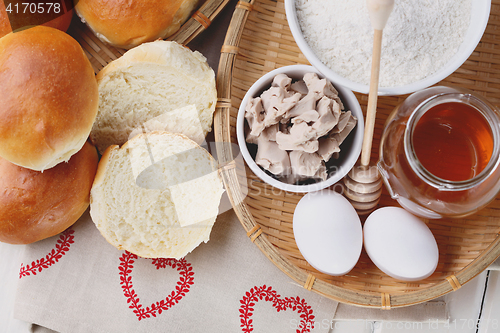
(453, 141)
(440, 152)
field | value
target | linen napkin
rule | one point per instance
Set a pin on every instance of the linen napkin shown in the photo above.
(495, 266)
(77, 282)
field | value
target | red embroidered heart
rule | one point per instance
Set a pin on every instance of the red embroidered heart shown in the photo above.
(62, 246)
(280, 304)
(181, 289)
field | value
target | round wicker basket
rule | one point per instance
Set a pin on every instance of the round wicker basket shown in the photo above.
(259, 40)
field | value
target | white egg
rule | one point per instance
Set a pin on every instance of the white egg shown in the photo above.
(400, 244)
(328, 232)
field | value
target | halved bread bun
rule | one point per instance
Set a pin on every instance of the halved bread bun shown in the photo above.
(157, 195)
(150, 81)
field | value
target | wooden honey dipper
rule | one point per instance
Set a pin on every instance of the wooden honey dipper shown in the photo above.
(363, 183)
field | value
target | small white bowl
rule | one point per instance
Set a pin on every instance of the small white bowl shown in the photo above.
(480, 13)
(350, 149)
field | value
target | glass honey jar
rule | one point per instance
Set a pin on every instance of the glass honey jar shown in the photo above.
(439, 152)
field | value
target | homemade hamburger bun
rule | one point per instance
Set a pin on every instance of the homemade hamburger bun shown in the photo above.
(157, 196)
(128, 23)
(154, 81)
(36, 205)
(48, 95)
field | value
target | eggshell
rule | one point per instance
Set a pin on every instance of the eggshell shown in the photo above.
(328, 232)
(400, 244)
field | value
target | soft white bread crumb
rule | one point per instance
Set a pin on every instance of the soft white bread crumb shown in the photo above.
(145, 189)
(184, 120)
(148, 81)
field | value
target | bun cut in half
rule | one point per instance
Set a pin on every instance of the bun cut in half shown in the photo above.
(157, 196)
(36, 205)
(48, 97)
(128, 23)
(155, 83)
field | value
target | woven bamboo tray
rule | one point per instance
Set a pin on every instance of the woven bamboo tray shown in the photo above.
(100, 54)
(259, 40)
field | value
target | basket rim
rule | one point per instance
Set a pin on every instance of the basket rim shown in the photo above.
(370, 299)
(199, 21)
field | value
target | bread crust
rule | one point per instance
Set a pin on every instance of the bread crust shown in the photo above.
(125, 24)
(49, 97)
(103, 164)
(36, 205)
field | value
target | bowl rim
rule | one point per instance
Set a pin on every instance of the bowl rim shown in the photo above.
(479, 15)
(348, 97)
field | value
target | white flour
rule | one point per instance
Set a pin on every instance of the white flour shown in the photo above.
(419, 38)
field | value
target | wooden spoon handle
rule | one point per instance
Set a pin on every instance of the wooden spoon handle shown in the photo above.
(379, 11)
(372, 99)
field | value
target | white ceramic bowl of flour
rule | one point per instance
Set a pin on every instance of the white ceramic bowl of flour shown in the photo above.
(405, 68)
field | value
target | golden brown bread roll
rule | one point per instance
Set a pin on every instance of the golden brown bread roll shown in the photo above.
(128, 23)
(49, 97)
(36, 205)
